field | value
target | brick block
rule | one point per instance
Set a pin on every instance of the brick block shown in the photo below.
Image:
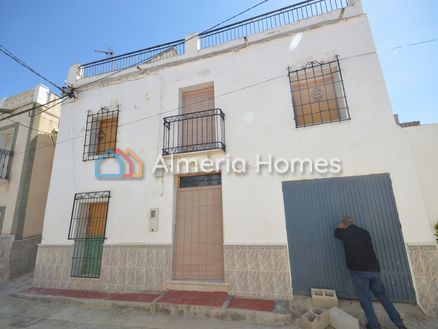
(316, 318)
(341, 320)
(324, 298)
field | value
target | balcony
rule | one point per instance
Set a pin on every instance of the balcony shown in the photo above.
(214, 37)
(5, 163)
(138, 57)
(194, 132)
(269, 21)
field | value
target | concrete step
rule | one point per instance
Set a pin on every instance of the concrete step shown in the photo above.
(208, 286)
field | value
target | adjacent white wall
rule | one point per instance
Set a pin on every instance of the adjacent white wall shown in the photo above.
(423, 143)
(259, 119)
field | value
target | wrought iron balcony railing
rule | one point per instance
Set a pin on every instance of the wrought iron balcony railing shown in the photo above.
(261, 23)
(192, 132)
(138, 57)
(5, 163)
(268, 21)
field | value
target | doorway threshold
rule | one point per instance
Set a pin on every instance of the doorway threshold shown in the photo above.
(209, 286)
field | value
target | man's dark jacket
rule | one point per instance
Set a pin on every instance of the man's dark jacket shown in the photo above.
(359, 251)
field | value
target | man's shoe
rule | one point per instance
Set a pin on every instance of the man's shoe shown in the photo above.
(402, 327)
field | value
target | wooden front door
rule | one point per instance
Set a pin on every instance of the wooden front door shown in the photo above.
(198, 241)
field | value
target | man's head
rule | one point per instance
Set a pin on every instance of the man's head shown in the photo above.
(346, 221)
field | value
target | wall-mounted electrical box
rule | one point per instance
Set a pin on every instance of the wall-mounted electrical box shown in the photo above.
(153, 220)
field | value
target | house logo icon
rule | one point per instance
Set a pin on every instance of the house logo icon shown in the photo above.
(130, 166)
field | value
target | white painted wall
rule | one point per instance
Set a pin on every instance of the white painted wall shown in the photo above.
(424, 145)
(259, 119)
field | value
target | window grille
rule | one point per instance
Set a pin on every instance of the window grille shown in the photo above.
(101, 134)
(318, 94)
(87, 229)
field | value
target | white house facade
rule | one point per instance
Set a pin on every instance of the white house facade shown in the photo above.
(301, 88)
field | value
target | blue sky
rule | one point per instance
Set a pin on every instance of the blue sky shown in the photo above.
(51, 35)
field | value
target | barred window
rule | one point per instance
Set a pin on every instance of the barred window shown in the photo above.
(318, 94)
(101, 134)
(87, 229)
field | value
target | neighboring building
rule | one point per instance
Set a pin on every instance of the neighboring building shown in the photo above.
(26, 155)
(303, 82)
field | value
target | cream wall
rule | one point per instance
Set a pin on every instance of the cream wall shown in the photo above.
(9, 187)
(259, 119)
(44, 145)
(424, 146)
(40, 179)
(40, 169)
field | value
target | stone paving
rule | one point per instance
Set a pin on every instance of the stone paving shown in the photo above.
(22, 313)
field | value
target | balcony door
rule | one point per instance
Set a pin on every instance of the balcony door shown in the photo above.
(197, 129)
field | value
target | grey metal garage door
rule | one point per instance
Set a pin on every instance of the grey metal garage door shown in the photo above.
(313, 210)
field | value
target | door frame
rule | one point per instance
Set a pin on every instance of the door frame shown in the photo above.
(177, 179)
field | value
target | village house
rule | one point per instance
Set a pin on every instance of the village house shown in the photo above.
(27, 145)
(302, 82)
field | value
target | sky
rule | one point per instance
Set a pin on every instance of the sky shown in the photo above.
(51, 35)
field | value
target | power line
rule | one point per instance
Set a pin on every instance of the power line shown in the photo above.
(34, 108)
(229, 19)
(31, 128)
(174, 109)
(28, 127)
(144, 60)
(247, 87)
(22, 63)
(42, 111)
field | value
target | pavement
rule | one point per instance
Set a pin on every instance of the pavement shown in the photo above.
(47, 312)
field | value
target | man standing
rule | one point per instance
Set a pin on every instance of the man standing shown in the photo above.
(365, 272)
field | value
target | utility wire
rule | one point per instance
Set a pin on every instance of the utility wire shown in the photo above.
(28, 127)
(22, 63)
(195, 35)
(174, 109)
(246, 87)
(229, 19)
(48, 108)
(34, 129)
(34, 108)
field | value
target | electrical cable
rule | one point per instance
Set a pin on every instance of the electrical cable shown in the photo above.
(33, 108)
(37, 130)
(42, 111)
(252, 85)
(22, 63)
(144, 60)
(229, 19)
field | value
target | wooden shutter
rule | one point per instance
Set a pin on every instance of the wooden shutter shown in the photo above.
(107, 135)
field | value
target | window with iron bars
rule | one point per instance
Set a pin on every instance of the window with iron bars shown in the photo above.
(101, 134)
(87, 229)
(318, 94)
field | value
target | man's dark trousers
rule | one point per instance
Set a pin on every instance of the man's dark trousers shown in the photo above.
(363, 282)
